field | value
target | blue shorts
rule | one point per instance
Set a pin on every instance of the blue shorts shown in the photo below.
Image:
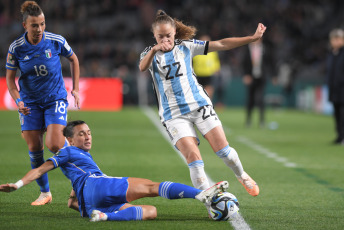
(43, 115)
(106, 194)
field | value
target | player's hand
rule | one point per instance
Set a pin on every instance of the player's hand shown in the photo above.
(259, 32)
(163, 46)
(75, 94)
(8, 187)
(22, 109)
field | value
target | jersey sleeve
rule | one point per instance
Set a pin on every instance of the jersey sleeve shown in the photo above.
(145, 52)
(197, 47)
(60, 158)
(66, 50)
(11, 61)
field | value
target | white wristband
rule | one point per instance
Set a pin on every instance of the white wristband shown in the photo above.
(19, 184)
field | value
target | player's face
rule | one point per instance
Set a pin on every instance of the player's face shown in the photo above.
(82, 137)
(35, 27)
(164, 33)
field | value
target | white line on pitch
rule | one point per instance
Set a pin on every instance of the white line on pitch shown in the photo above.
(264, 151)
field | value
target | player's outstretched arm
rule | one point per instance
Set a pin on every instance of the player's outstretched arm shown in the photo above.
(231, 43)
(28, 178)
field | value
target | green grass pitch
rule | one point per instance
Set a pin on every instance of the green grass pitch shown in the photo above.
(299, 172)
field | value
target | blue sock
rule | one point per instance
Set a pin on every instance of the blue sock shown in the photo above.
(132, 213)
(36, 161)
(172, 190)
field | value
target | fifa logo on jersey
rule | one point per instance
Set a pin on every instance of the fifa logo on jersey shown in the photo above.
(48, 53)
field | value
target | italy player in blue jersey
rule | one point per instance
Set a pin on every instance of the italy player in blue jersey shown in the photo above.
(42, 99)
(99, 196)
(183, 103)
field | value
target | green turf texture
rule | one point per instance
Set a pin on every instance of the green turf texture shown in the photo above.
(126, 143)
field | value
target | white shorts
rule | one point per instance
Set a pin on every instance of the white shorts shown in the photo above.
(204, 118)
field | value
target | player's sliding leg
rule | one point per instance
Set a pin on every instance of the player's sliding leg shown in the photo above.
(140, 188)
(45, 197)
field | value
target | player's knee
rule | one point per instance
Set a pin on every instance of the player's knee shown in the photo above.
(193, 156)
(149, 213)
(34, 147)
(53, 147)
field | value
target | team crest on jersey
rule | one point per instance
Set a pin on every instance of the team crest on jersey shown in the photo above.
(10, 59)
(48, 53)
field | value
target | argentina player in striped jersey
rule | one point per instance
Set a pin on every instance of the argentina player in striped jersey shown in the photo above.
(42, 99)
(183, 103)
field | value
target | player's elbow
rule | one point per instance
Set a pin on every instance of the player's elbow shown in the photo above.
(73, 204)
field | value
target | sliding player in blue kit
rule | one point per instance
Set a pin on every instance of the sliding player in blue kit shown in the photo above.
(101, 197)
(183, 103)
(42, 99)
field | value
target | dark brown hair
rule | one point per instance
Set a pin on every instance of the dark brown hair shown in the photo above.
(182, 31)
(30, 8)
(68, 131)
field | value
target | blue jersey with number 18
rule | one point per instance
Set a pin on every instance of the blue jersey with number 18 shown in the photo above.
(40, 78)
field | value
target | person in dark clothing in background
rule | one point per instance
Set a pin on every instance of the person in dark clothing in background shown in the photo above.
(335, 81)
(258, 64)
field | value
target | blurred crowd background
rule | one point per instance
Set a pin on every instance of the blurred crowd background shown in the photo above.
(109, 35)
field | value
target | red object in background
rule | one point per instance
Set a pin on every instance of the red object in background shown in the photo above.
(96, 94)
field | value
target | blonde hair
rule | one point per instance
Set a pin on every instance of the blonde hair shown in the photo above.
(183, 31)
(30, 8)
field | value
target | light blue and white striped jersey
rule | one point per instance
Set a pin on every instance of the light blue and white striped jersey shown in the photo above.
(40, 78)
(175, 83)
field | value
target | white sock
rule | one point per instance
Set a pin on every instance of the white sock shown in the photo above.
(197, 174)
(231, 159)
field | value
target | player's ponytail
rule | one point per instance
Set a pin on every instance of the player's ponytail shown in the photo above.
(182, 31)
(30, 8)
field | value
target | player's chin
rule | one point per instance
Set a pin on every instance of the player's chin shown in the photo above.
(87, 146)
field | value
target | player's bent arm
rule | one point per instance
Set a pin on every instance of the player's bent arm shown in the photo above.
(147, 60)
(73, 201)
(75, 73)
(29, 177)
(234, 42)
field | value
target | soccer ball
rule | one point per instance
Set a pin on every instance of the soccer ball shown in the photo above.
(224, 206)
